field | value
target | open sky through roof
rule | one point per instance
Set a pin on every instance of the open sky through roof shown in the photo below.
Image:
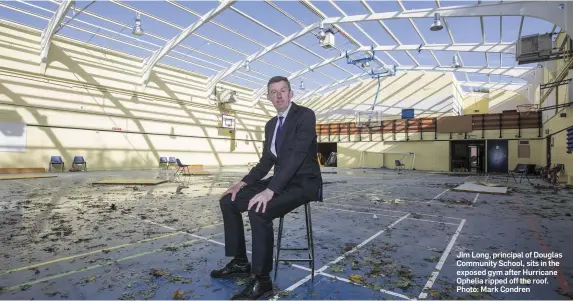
(246, 27)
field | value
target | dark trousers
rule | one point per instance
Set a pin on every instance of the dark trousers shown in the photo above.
(261, 223)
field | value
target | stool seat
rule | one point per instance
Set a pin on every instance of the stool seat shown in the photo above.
(309, 240)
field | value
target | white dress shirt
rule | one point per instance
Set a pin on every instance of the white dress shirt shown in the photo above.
(284, 114)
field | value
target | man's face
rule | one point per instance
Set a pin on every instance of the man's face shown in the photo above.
(280, 95)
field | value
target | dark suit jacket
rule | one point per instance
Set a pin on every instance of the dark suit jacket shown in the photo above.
(297, 162)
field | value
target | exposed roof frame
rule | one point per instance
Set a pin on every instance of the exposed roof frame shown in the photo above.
(151, 61)
(273, 5)
(417, 30)
(131, 37)
(371, 39)
(282, 36)
(534, 9)
(507, 71)
(348, 36)
(505, 86)
(238, 34)
(195, 34)
(466, 47)
(318, 90)
(48, 32)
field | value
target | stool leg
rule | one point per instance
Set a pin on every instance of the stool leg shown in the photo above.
(310, 239)
(280, 235)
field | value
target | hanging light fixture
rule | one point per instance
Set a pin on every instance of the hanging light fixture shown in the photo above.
(247, 67)
(456, 62)
(437, 25)
(301, 85)
(365, 64)
(137, 29)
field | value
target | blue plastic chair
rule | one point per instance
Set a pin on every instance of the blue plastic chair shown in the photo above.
(56, 160)
(79, 160)
(163, 160)
(181, 167)
(172, 160)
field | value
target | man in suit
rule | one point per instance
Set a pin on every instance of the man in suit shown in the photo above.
(290, 146)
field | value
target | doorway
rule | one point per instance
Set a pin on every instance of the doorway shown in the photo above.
(467, 156)
(497, 160)
(326, 151)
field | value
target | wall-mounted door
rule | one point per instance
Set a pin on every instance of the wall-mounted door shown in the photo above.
(497, 156)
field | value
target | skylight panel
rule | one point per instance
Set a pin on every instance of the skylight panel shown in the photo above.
(228, 38)
(384, 6)
(201, 7)
(508, 60)
(113, 45)
(510, 28)
(424, 57)
(266, 68)
(461, 76)
(42, 8)
(465, 29)
(493, 60)
(197, 68)
(377, 32)
(327, 8)
(126, 16)
(313, 80)
(446, 58)
(352, 7)
(243, 82)
(385, 58)
(299, 54)
(536, 26)
(262, 13)
(457, 3)
(21, 18)
(348, 67)
(476, 59)
(282, 62)
(432, 37)
(404, 31)
(477, 77)
(299, 11)
(165, 11)
(335, 72)
(214, 49)
(491, 27)
(354, 32)
(199, 58)
(410, 5)
(402, 58)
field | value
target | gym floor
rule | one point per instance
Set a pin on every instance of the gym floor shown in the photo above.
(379, 234)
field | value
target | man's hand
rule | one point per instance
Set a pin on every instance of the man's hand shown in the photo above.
(261, 199)
(234, 189)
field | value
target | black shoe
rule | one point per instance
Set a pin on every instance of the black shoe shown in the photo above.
(232, 269)
(255, 289)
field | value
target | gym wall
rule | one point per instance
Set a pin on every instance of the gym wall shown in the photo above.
(90, 103)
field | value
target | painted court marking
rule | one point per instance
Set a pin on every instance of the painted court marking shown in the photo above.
(475, 199)
(370, 213)
(326, 266)
(111, 262)
(438, 195)
(440, 264)
(88, 253)
(380, 209)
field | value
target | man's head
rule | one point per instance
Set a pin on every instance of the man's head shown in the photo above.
(279, 92)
